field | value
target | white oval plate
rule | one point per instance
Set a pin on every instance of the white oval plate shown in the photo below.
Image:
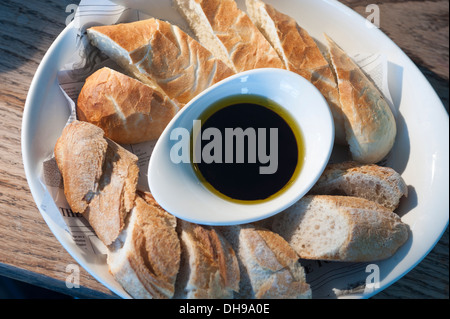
(420, 154)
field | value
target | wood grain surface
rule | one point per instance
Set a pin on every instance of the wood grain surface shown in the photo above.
(29, 251)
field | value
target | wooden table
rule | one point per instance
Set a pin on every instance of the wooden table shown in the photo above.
(29, 251)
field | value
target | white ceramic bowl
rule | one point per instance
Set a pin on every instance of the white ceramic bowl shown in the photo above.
(176, 187)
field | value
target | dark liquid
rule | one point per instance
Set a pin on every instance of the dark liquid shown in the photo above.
(244, 181)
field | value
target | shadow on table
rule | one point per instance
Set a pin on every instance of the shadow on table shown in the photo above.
(14, 289)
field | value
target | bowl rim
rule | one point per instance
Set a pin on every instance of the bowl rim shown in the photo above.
(196, 107)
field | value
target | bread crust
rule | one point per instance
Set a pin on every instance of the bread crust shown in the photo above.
(146, 260)
(99, 177)
(229, 33)
(369, 123)
(209, 264)
(161, 54)
(356, 229)
(128, 111)
(382, 185)
(300, 54)
(70, 156)
(269, 266)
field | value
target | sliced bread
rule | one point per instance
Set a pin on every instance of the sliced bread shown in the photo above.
(300, 54)
(145, 259)
(99, 176)
(370, 126)
(341, 228)
(379, 184)
(128, 110)
(161, 55)
(209, 267)
(229, 34)
(269, 266)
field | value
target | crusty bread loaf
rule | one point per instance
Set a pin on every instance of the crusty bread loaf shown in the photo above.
(269, 266)
(379, 184)
(341, 228)
(161, 54)
(145, 258)
(99, 177)
(127, 110)
(300, 54)
(229, 34)
(209, 267)
(369, 123)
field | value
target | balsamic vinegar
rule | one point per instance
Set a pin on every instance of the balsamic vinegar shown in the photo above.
(251, 149)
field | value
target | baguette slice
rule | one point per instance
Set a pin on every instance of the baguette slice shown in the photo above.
(269, 266)
(209, 267)
(379, 184)
(341, 228)
(145, 259)
(300, 54)
(127, 110)
(229, 34)
(161, 55)
(369, 123)
(80, 144)
(99, 177)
